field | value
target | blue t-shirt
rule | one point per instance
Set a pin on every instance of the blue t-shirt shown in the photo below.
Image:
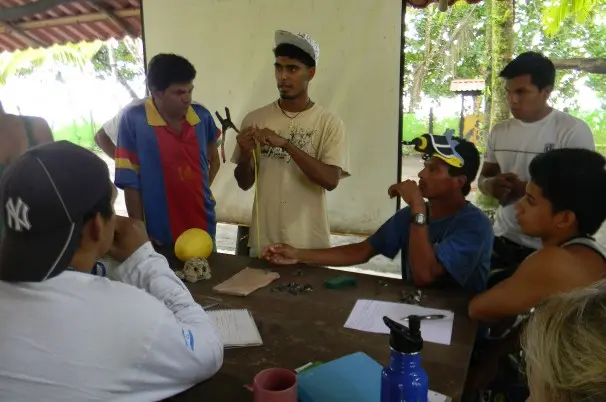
(462, 244)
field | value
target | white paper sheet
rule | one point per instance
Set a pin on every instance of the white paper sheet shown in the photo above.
(237, 328)
(435, 397)
(367, 315)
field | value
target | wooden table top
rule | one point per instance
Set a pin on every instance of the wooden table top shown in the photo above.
(297, 329)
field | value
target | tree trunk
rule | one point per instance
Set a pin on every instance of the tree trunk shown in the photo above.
(488, 83)
(417, 86)
(502, 14)
(421, 70)
(113, 65)
(595, 66)
(122, 81)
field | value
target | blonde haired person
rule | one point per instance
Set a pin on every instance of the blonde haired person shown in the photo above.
(565, 347)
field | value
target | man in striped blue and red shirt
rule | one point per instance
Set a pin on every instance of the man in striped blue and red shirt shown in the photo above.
(166, 156)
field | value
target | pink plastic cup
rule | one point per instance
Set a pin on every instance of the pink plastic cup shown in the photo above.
(275, 385)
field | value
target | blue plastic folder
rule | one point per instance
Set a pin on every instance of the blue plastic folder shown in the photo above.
(352, 378)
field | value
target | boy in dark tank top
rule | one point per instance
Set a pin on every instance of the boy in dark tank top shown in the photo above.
(564, 206)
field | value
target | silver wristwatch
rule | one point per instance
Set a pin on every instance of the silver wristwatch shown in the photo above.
(418, 219)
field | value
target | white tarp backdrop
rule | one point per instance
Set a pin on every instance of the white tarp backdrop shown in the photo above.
(230, 43)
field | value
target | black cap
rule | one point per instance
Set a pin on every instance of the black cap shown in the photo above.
(45, 195)
(403, 339)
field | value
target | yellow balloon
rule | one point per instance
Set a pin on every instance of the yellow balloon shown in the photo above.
(193, 243)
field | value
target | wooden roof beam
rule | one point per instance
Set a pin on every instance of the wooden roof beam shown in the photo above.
(16, 13)
(71, 20)
(114, 18)
(26, 35)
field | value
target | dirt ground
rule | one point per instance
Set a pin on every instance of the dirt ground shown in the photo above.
(226, 234)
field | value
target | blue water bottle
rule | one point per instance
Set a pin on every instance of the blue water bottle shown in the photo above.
(403, 379)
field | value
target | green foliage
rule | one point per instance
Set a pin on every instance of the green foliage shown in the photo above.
(596, 119)
(23, 63)
(571, 40)
(118, 60)
(443, 46)
(415, 126)
(485, 202)
(557, 13)
(79, 131)
(118, 56)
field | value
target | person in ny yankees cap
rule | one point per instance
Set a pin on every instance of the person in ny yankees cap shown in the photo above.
(68, 335)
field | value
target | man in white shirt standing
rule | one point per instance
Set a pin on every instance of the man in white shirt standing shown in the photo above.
(535, 128)
(106, 137)
(67, 335)
(304, 153)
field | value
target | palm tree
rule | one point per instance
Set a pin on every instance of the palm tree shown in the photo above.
(580, 11)
(502, 18)
(118, 60)
(121, 61)
(446, 35)
(559, 11)
(23, 62)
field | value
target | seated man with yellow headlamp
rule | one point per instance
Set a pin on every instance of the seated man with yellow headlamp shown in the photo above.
(444, 241)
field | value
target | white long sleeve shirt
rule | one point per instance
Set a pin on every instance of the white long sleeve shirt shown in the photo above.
(79, 337)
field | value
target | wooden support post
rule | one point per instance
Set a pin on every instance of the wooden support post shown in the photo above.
(462, 119)
(242, 241)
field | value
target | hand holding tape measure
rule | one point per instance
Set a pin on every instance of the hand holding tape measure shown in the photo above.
(226, 124)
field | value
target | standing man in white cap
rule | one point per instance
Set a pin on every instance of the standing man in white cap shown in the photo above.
(303, 153)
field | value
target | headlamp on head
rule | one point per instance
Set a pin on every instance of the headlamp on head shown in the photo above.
(440, 146)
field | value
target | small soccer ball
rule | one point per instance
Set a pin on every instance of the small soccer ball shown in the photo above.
(193, 243)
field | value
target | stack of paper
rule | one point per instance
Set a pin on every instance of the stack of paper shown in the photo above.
(237, 328)
(246, 281)
(367, 315)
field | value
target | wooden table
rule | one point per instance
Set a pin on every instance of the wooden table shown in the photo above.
(297, 329)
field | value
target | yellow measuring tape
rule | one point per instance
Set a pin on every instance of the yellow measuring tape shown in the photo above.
(257, 149)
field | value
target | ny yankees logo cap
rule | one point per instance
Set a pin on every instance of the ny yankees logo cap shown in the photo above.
(44, 196)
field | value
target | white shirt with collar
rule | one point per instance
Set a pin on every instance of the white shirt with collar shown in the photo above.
(513, 144)
(111, 126)
(80, 337)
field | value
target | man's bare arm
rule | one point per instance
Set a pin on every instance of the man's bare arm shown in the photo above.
(243, 156)
(425, 267)
(489, 171)
(134, 204)
(42, 130)
(245, 172)
(213, 162)
(326, 176)
(341, 256)
(540, 275)
(105, 143)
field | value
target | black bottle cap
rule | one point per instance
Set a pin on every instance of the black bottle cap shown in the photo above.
(404, 339)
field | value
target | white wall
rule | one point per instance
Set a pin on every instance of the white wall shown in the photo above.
(230, 43)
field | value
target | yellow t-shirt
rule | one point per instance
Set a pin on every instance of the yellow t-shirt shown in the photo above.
(292, 209)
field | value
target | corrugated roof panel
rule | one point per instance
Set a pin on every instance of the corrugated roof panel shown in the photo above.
(74, 21)
(467, 85)
(79, 20)
(425, 3)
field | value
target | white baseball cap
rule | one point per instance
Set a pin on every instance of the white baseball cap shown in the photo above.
(301, 40)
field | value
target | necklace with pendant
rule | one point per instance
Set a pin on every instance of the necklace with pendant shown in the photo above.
(291, 125)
